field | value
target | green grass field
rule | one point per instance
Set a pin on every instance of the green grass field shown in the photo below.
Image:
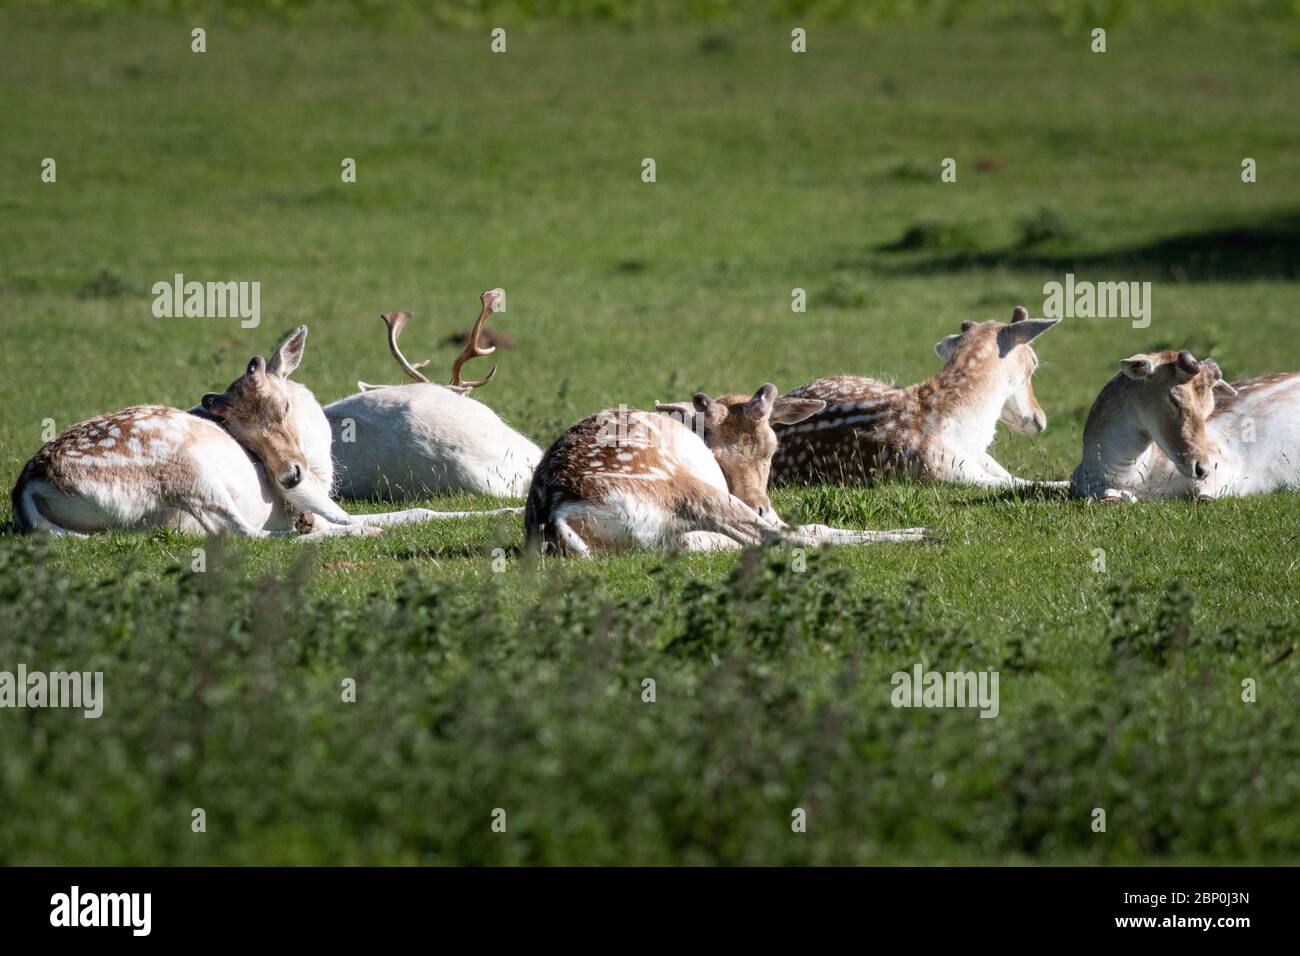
(521, 688)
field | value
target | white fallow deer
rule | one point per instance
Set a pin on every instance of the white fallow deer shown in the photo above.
(1169, 425)
(938, 430)
(400, 441)
(692, 477)
(253, 460)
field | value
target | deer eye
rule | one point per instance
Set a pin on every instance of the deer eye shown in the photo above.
(287, 407)
(1173, 400)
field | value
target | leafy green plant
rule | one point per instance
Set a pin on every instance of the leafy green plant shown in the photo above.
(770, 691)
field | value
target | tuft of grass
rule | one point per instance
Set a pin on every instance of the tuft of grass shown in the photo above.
(932, 235)
(1045, 225)
(105, 285)
(912, 172)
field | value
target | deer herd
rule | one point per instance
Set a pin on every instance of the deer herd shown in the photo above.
(263, 458)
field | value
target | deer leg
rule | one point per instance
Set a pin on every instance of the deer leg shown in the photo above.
(732, 518)
(313, 500)
(311, 496)
(222, 518)
(310, 525)
(1101, 492)
(1117, 494)
(1003, 477)
(982, 470)
(570, 540)
(703, 541)
(987, 473)
(219, 515)
(29, 511)
(820, 534)
(420, 515)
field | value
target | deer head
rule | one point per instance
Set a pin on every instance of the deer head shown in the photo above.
(1002, 350)
(474, 348)
(277, 419)
(1172, 395)
(738, 430)
(257, 410)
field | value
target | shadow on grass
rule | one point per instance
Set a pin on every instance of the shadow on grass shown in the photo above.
(1267, 250)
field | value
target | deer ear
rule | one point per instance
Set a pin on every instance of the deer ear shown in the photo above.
(790, 411)
(1216, 376)
(946, 347)
(1022, 332)
(760, 406)
(1138, 367)
(216, 404)
(288, 356)
(1187, 366)
(713, 412)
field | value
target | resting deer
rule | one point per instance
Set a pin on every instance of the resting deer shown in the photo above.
(939, 429)
(252, 460)
(1169, 425)
(693, 479)
(412, 440)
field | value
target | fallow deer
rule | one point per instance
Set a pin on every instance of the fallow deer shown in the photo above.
(411, 440)
(939, 429)
(1169, 425)
(690, 477)
(252, 460)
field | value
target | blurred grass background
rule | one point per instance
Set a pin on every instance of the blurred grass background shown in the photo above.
(775, 171)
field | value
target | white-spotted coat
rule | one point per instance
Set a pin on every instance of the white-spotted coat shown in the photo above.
(939, 429)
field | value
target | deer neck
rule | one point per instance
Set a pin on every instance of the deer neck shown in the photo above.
(961, 404)
(1118, 449)
(315, 435)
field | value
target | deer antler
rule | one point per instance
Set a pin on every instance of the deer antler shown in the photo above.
(396, 321)
(491, 299)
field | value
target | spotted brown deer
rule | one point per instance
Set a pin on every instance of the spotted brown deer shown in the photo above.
(253, 460)
(939, 429)
(689, 477)
(410, 440)
(1169, 425)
